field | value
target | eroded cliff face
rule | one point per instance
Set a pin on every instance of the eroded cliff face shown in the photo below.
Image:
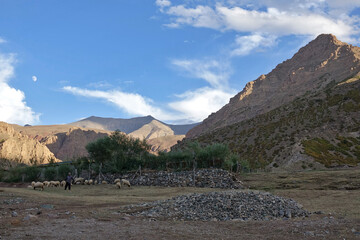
(18, 147)
(72, 144)
(313, 67)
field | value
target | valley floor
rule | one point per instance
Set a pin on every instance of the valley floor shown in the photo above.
(95, 212)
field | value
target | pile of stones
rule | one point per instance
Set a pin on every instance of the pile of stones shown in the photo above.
(209, 178)
(221, 206)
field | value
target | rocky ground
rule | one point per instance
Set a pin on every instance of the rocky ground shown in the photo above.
(223, 206)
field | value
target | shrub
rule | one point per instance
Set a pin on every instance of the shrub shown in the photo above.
(50, 173)
(32, 173)
(63, 171)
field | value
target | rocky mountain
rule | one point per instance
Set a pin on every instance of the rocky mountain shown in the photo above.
(154, 129)
(127, 125)
(20, 148)
(64, 141)
(312, 68)
(164, 144)
(304, 114)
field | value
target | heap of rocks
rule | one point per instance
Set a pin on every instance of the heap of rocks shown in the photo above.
(211, 178)
(222, 206)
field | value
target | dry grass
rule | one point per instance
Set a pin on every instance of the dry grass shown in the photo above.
(104, 194)
(336, 192)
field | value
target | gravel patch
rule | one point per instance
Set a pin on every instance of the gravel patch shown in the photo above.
(221, 206)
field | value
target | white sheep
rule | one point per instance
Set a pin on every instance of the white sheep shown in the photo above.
(63, 183)
(30, 186)
(55, 183)
(80, 180)
(117, 180)
(38, 185)
(86, 182)
(95, 182)
(46, 183)
(91, 182)
(118, 184)
(125, 182)
(104, 182)
(32, 183)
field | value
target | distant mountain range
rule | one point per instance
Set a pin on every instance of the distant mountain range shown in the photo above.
(42, 143)
(304, 114)
(128, 125)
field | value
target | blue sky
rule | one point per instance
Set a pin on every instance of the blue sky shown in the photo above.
(178, 61)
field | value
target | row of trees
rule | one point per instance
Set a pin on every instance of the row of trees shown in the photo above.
(119, 153)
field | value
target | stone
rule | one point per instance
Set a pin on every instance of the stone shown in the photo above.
(14, 214)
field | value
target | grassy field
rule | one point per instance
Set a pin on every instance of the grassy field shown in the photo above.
(98, 210)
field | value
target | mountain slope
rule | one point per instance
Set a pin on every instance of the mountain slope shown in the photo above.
(154, 129)
(20, 148)
(316, 130)
(322, 61)
(64, 141)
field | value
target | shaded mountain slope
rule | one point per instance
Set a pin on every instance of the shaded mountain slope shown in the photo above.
(313, 67)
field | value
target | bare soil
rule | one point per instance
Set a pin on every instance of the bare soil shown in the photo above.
(95, 212)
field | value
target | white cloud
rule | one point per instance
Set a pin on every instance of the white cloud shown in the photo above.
(212, 71)
(280, 18)
(198, 104)
(2, 40)
(34, 78)
(13, 108)
(193, 105)
(163, 3)
(132, 103)
(246, 44)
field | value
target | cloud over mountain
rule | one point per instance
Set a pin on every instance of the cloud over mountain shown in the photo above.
(13, 108)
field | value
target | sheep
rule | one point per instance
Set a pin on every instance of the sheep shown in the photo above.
(38, 185)
(81, 180)
(63, 183)
(45, 183)
(125, 182)
(32, 183)
(86, 182)
(104, 182)
(118, 184)
(30, 186)
(91, 182)
(116, 180)
(54, 183)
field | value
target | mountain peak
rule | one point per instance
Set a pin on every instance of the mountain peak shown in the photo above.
(312, 68)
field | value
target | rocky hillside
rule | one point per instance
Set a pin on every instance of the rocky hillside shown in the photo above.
(154, 129)
(312, 68)
(313, 122)
(164, 144)
(21, 148)
(64, 141)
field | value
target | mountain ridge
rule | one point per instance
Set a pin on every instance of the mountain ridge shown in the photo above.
(312, 67)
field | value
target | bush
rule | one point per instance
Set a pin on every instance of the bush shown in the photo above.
(32, 173)
(63, 171)
(50, 173)
(14, 174)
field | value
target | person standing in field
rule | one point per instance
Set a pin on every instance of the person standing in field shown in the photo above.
(68, 180)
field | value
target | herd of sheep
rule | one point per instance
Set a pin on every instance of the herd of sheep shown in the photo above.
(40, 185)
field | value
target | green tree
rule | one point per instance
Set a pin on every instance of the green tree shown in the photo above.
(118, 152)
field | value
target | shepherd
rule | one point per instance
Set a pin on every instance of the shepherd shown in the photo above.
(68, 180)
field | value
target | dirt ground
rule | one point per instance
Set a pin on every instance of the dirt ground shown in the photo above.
(95, 212)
